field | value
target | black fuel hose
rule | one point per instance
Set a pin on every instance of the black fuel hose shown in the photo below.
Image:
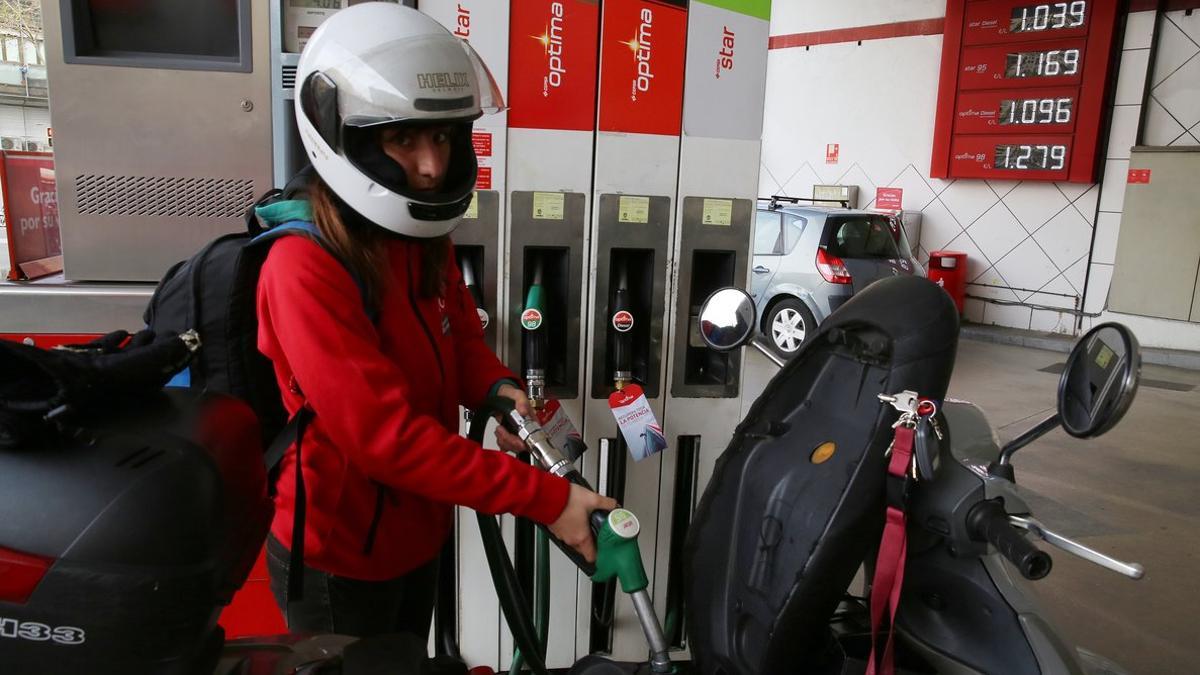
(988, 521)
(504, 577)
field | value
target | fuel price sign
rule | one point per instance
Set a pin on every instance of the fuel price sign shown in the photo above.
(1014, 73)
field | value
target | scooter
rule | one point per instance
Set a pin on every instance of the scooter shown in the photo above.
(121, 545)
(798, 501)
(966, 606)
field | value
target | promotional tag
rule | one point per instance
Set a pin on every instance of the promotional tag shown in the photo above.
(638, 424)
(562, 432)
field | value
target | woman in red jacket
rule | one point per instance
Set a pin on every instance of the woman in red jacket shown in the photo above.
(373, 330)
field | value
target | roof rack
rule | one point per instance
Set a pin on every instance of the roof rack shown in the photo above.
(775, 199)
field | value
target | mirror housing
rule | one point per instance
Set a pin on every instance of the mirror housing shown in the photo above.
(1096, 389)
(1100, 380)
(727, 319)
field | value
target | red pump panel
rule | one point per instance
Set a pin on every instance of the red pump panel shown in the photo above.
(1023, 89)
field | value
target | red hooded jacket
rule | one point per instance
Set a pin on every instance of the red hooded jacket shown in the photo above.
(383, 463)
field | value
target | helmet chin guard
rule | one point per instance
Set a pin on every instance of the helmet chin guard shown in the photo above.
(375, 65)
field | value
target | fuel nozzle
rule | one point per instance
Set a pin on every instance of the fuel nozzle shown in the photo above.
(621, 324)
(471, 281)
(534, 339)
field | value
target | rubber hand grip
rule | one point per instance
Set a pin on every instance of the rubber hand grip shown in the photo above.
(988, 521)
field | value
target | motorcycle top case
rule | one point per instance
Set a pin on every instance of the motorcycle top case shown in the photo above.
(782, 528)
(146, 522)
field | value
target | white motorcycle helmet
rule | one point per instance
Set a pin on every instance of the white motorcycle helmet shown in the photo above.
(377, 64)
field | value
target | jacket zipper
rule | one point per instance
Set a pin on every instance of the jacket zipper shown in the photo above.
(379, 497)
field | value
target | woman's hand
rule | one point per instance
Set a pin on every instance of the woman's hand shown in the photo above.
(508, 441)
(573, 528)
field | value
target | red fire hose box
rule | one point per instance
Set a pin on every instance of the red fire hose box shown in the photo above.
(948, 269)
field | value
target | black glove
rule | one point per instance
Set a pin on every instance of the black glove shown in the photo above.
(39, 385)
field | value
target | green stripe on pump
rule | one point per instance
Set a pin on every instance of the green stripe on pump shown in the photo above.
(757, 8)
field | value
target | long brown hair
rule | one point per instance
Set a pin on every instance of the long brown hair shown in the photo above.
(362, 248)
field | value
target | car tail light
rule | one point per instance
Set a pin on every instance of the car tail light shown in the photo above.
(20, 573)
(832, 268)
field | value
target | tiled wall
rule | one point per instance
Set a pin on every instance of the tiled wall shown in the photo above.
(1174, 100)
(1029, 243)
(1174, 114)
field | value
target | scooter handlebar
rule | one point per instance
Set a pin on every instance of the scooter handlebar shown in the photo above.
(988, 522)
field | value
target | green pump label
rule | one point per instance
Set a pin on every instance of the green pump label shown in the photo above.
(624, 524)
(531, 319)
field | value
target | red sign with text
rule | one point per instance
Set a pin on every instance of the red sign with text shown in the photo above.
(31, 214)
(552, 64)
(483, 181)
(482, 141)
(642, 56)
(889, 198)
(831, 153)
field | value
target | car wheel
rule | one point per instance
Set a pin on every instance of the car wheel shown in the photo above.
(787, 327)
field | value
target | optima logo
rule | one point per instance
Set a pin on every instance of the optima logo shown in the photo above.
(443, 80)
(552, 42)
(641, 47)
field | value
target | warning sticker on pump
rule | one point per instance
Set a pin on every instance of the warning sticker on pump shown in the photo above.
(548, 205)
(473, 209)
(717, 212)
(633, 210)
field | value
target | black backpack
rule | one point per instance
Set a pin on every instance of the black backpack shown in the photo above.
(214, 293)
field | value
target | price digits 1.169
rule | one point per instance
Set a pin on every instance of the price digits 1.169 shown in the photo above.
(1035, 111)
(1030, 157)
(1042, 64)
(1048, 16)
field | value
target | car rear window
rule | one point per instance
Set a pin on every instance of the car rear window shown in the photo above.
(861, 236)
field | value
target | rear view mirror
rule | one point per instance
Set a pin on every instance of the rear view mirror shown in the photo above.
(727, 319)
(1100, 380)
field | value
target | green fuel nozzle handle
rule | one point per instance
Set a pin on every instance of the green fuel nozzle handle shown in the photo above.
(617, 553)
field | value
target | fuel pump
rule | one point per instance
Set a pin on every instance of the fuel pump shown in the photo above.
(633, 195)
(722, 118)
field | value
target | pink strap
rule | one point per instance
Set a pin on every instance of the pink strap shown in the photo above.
(889, 565)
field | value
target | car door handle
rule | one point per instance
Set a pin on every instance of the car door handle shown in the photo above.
(759, 269)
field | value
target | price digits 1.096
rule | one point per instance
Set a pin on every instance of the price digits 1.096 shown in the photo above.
(1049, 16)
(1035, 111)
(1030, 157)
(1042, 64)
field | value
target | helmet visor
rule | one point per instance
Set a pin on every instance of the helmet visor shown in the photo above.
(425, 78)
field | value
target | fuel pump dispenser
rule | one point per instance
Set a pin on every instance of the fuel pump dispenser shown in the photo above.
(552, 80)
(471, 609)
(636, 172)
(722, 118)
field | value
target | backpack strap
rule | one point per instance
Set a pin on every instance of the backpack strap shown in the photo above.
(308, 228)
(293, 432)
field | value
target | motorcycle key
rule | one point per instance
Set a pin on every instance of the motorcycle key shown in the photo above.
(927, 444)
(926, 449)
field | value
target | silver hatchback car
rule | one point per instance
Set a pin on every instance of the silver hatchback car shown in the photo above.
(809, 260)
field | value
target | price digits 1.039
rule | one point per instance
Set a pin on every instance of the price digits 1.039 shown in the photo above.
(1048, 16)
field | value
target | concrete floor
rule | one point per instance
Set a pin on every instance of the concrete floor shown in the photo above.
(1131, 493)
